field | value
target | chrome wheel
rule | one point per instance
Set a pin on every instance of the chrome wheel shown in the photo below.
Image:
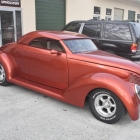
(105, 105)
(2, 74)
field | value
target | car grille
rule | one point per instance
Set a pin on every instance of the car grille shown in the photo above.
(134, 78)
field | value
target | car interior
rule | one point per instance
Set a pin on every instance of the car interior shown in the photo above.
(49, 45)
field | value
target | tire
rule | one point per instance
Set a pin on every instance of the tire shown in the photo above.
(106, 106)
(3, 81)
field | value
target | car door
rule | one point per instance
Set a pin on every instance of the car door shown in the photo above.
(93, 30)
(46, 63)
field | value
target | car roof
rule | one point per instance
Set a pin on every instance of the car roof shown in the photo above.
(101, 21)
(57, 35)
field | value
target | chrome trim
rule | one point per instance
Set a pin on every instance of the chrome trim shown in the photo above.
(81, 28)
(2, 74)
(106, 107)
(137, 89)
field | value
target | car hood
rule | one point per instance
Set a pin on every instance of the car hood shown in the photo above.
(104, 58)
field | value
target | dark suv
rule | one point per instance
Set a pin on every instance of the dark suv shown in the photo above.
(118, 37)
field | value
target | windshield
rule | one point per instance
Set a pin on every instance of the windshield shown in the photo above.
(80, 45)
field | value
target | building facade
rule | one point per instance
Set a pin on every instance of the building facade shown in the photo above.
(18, 17)
(104, 9)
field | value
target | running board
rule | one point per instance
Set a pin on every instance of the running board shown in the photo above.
(53, 92)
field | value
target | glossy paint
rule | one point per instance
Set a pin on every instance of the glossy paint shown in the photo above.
(69, 77)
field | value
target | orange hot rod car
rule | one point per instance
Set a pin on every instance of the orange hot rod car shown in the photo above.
(69, 67)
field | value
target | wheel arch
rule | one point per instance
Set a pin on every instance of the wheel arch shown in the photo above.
(8, 65)
(76, 94)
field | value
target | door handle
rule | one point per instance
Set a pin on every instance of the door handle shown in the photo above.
(55, 52)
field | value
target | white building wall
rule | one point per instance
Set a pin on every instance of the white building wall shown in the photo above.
(84, 9)
(28, 16)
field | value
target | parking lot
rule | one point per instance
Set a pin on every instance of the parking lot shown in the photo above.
(28, 115)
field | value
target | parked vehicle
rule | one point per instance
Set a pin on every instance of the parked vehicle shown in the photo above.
(69, 67)
(120, 38)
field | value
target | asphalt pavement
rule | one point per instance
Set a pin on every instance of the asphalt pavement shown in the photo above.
(28, 115)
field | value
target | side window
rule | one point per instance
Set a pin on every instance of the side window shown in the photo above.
(39, 43)
(47, 44)
(117, 32)
(74, 27)
(92, 30)
(54, 45)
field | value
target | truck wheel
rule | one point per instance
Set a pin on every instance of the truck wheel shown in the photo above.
(106, 106)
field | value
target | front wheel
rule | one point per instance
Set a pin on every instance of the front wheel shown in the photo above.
(3, 80)
(106, 106)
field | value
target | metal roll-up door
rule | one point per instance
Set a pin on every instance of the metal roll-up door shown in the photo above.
(118, 14)
(50, 14)
(131, 15)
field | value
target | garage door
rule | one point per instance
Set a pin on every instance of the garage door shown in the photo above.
(118, 14)
(131, 15)
(50, 14)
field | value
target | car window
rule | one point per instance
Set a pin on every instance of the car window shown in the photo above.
(80, 45)
(74, 27)
(91, 30)
(137, 29)
(54, 45)
(47, 44)
(39, 44)
(117, 32)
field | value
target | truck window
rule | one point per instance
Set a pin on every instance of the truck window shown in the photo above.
(117, 32)
(92, 30)
(74, 27)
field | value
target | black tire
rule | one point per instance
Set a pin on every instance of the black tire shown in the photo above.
(106, 106)
(3, 81)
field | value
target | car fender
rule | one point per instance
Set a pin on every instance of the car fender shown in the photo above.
(79, 89)
(7, 63)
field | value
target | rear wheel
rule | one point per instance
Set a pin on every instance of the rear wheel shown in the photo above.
(3, 80)
(106, 106)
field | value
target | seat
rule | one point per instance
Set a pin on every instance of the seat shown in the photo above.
(36, 44)
(44, 44)
(53, 45)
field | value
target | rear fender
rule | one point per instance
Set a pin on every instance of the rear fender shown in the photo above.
(78, 90)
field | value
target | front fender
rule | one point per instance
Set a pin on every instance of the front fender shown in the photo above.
(79, 89)
(6, 61)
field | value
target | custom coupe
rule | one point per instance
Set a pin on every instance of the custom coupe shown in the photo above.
(69, 67)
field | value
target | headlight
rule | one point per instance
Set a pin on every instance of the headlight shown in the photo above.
(137, 89)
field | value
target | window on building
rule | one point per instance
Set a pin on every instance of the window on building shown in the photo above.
(92, 30)
(74, 27)
(117, 32)
(18, 24)
(131, 15)
(97, 10)
(118, 14)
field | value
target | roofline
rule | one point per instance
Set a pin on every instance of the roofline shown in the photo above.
(56, 35)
